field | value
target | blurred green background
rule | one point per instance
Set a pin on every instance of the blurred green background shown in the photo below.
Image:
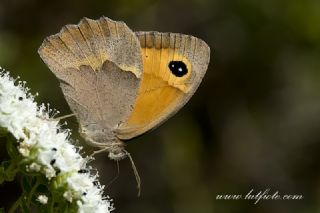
(254, 123)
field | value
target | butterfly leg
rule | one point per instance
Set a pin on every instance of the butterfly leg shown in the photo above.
(116, 177)
(62, 117)
(59, 118)
(135, 171)
(99, 151)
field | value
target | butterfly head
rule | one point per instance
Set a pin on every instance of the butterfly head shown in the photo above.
(101, 137)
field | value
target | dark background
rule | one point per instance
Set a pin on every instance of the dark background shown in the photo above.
(253, 123)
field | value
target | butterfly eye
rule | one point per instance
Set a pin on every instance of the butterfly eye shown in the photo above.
(178, 68)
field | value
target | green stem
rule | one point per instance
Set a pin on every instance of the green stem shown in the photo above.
(15, 205)
(50, 205)
(33, 189)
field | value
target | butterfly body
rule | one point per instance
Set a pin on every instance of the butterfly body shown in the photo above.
(120, 84)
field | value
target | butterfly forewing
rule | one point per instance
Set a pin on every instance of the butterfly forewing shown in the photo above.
(174, 65)
(99, 65)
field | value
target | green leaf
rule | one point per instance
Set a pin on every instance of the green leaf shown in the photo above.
(12, 147)
(24, 206)
(26, 186)
(3, 132)
(8, 171)
(2, 174)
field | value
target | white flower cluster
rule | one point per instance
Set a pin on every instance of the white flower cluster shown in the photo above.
(47, 146)
(42, 199)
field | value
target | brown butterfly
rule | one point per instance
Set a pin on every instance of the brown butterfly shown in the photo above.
(120, 84)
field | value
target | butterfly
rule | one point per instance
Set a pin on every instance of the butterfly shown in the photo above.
(120, 83)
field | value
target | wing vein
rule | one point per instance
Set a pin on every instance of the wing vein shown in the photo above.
(83, 54)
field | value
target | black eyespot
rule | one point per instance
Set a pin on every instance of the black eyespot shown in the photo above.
(54, 149)
(178, 68)
(20, 98)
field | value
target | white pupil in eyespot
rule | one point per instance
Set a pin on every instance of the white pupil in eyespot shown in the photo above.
(178, 68)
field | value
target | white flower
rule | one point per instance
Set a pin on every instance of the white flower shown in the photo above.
(68, 195)
(47, 147)
(34, 167)
(42, 199)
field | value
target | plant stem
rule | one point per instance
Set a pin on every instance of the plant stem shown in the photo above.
(15, 205)
(52, 205)
(37, 183)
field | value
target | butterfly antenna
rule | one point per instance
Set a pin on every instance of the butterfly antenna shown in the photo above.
(136, 173)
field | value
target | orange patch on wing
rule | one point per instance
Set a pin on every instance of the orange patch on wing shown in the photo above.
(160, 91)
